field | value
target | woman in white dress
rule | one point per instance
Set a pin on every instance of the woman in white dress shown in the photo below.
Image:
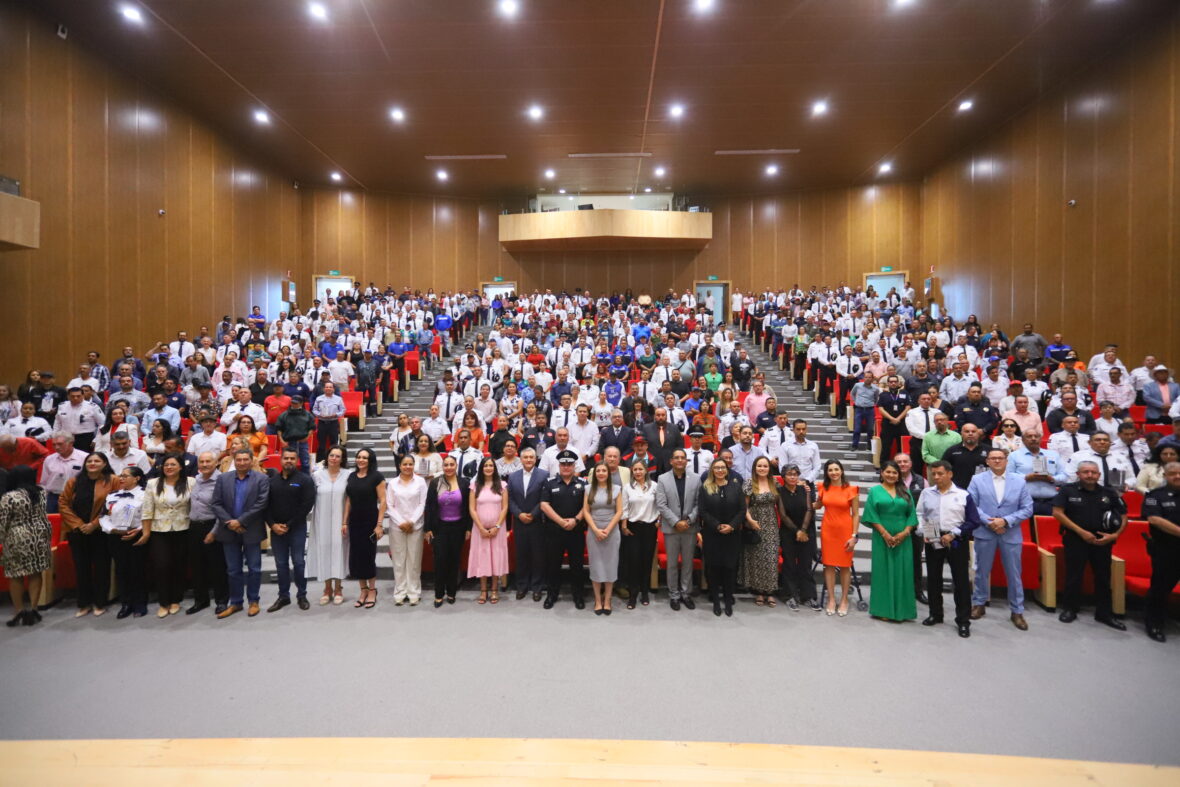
(327, 547)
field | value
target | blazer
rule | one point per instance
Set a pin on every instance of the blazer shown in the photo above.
(530, 439)
(1016, 506)
(430, 517)
(623, 441)
(65, 504)
(253, 516)
(1153, 400)
(526, 501)
(668, 501)
(673, 439)
(167, 516)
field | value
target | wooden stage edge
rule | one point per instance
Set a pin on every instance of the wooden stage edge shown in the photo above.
(422, 761)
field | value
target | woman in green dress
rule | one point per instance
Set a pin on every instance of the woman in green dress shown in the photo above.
(712, 378)
(890, 512)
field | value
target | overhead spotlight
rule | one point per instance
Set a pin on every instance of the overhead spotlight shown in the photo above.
(632, 196)
(561, 191)
(819, 108)
(885, 168)
(509, 8)
(647, 190)
(535, 112)
(659, 172)
(965, 105)
(261, 117)
(772, 169)
(397, 114)
(441, 174)
(704, 6)
(131, 13)
(676, 110)
(571, 199)
(903, 3)
(318, 11)
(336, 176)
(550, 174)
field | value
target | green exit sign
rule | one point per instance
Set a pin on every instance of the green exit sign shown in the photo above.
(498, 278)
(333, 273)
(712, 278)
(886, 268)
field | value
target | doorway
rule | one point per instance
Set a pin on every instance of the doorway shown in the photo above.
(719, 290)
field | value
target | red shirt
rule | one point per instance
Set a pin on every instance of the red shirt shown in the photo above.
(27, 451)
(275, 406)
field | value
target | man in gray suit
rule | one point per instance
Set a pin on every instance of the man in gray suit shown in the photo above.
(676, 502)
(524, 503)
(1003, 501)
(239, 503)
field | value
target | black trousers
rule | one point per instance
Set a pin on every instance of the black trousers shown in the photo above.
(130, 570)
(917, 548)
(569, 544)
(891, 435)
(1165, 574)
(327, 435)
(168, 565)
(957, 557)
(1077, 555)
(843, 387)
(207, 564)
(826, 379)
(798, 560)
(915, 456)
(721, 556)
(399, 365)
(798, 365)
(447, 545)
(530, 555)
(636, 553)
(92, 564)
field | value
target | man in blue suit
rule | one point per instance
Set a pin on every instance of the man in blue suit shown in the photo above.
(524, 503)
(240, 504)
(1004, 502)
(1159, 395)
(618, 434)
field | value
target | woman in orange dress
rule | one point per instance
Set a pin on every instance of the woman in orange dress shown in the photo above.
(840, 502)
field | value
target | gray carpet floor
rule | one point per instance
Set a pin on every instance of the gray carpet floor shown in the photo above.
(516, 670)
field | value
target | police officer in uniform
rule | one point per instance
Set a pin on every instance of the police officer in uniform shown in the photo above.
(1092, 516)
(1161, 508)
(894, 404)
(562, 499)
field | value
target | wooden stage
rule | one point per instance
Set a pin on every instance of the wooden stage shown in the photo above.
(409, 761)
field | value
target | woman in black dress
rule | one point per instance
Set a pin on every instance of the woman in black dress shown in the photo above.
(798, 539)
(723, 513)
(448, 525)
(364, 512)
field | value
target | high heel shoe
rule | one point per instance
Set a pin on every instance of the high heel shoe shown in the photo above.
(843, 612)
(483, 597)
(17, 620)
(372, 602)
(829, 611)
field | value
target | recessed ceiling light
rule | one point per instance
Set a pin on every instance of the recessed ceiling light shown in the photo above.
(131, 14)
(550, 174)
(336, 176)
(397, 114)
(965, 105)
(772, 169)
(561, 191)
(318, 11)
(703, 6)
(659, 172)
(571, 199)
(535, 112)
(509, 7)
(647, 190)
(819, 108)
(441, 174)
(885, 168)
(632, 196)
(903, 3)
(261, 117)
(676, 110)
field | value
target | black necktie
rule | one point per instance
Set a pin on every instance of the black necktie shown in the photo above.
(782, 436)
(1105, 469)
(696, 455)
(1074, 437)
(1134, 464)
(926, 415)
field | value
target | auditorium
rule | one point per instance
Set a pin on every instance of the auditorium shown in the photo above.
(363, 358)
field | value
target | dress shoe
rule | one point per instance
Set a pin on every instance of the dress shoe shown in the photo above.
(921, 597)
(232, 609)
(606, 612)
(931, 621)
(521, 594)
(253, 609)
(303, 603)
(220, 608)
(674, 603)
(1019, 622)
(195, 608)
(280, 602)
(579, 603)
(1114, 623)
(27, 618)
(729, 609)
(124, 612)
(964, 630)
(688, 602)
(162, 612)
(598, 612)
(978, 612)
(549, 602)
(537, 596)
(1067, 616)
(717, 608)
(1157, 634)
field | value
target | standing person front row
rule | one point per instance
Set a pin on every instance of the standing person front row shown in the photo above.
(947, 516)
(677, 499)
(1004, 503)
(290, 499)
(239, 501)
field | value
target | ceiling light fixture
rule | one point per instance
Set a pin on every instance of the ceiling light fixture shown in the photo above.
(397, 115)
(966, 104)
(561, 191)
(131, 14)
(509, 8)
(571, 199)
(819, 108)
(647, 190)
(765, 152)
(608, 155)
(550, 174)
(261, 117)
(659, 172)
(336, 176)
(318, 11)
(535, 112)
(704, 6)
(473, 157)
(885, 168)
(441, 174)
(903, 3)
(772, 169)
(632, 196)
(676, 110)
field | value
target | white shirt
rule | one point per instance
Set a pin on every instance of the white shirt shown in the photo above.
(803, 455)
(584, 438)
(36, 427)
(339, 371)
(133, 458)
(1113, 461)
(639, 503)
(449, 404)
(199, 443)
(405, 502)
(1000, 484)
(435, 427)
(916, 421)
(1062, 443)
(235, 409)
(57, 469)
(548, 461)
(944, 510)
(86, 418)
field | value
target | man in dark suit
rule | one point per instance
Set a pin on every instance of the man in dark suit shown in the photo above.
(617, 434)
(524, 503)
(538, 437)
(239, 502)
(663, 437)
(289, 500)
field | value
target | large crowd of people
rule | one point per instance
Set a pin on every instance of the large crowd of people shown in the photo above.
(583, 432)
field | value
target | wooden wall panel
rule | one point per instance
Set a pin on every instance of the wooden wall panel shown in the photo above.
(103, 154)
(1005, 244)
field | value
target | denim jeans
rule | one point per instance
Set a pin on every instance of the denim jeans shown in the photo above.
(235, 553)
(290, 549)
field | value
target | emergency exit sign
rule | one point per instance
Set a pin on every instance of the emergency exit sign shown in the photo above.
(712, 278)
(498, 278)
(886, 268)
(333, 273)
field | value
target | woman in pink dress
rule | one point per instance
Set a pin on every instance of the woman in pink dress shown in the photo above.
(488, 558)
